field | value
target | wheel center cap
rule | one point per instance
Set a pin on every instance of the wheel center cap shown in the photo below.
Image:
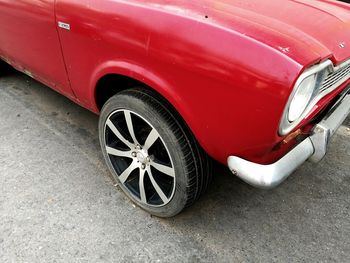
(141, 157)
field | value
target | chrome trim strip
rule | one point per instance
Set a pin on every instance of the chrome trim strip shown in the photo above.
(285, 126)
(313, 148)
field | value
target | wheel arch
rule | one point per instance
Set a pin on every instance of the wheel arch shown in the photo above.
(114, 77)
(125, 75)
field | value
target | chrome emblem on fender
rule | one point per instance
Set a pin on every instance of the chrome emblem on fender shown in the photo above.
(64, 25)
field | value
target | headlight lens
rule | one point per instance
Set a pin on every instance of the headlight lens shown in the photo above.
(302, 97)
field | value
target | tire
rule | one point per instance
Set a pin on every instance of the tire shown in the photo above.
(147, 146)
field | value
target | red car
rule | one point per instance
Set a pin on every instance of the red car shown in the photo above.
(258, 85)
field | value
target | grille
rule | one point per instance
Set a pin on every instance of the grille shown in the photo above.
(336, 78)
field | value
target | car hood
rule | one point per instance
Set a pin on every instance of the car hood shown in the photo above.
(305, 30)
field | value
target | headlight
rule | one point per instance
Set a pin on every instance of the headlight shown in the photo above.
(303, 96)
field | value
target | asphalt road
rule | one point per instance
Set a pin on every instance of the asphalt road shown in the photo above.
(58, 204)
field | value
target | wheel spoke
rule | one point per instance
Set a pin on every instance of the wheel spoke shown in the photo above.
(164, 169)
(125, 175)
(157, 187)
(128, 119)
(118, 134)
(132, 156)
(118, 153)
(151, 139)
(142, 186)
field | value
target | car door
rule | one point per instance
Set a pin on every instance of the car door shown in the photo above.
(29, 40)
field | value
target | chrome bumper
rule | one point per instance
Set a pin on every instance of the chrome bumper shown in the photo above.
(312, 148)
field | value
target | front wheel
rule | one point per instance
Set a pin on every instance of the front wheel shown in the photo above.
(151, 153)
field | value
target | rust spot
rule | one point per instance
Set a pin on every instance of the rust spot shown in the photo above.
(292, 136)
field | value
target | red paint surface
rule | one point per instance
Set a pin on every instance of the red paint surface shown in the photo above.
(227, 66)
